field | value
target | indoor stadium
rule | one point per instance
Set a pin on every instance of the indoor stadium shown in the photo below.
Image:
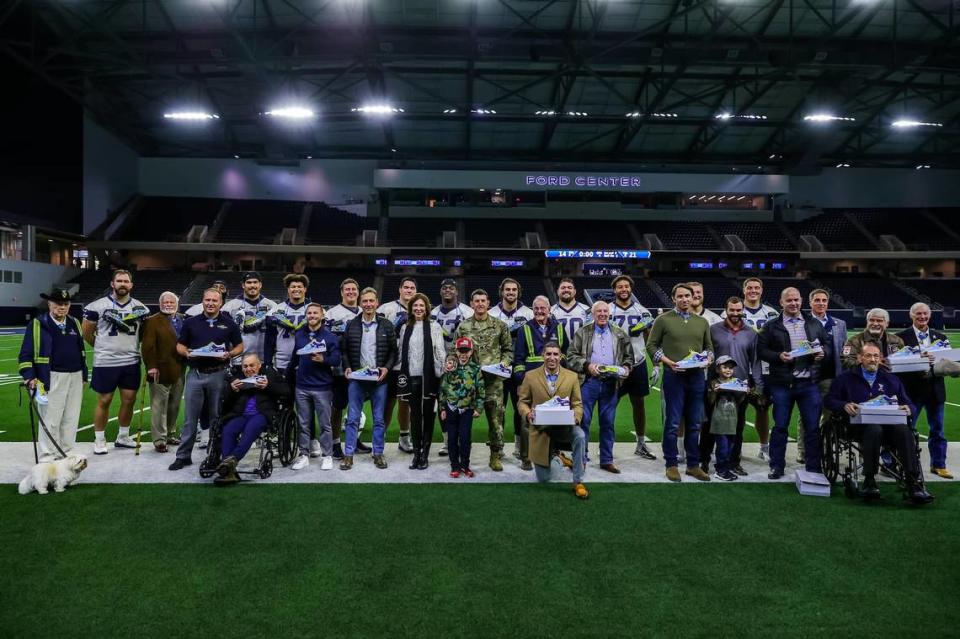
(480, 318)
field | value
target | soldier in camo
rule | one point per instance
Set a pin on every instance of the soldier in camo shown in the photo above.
(492, 344)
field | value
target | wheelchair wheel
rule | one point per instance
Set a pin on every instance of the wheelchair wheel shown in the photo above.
(830, 451)
(265, 467)
(212, 459)
(287, 432)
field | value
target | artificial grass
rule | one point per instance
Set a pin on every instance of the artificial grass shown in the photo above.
(475, 561)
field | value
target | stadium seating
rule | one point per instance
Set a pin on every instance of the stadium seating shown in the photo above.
(168, 219)
(530, 285)
(505, 232)
(716, 287)
(867, 291)
(835, 232)
(258, 221)
(418, 232)
(762, 236)
(692, 236)
(325, 283)
(941, 291)
(588, 235)
(908, 226)
(330, 226)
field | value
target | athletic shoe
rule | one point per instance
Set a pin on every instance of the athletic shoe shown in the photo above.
(725, 476)
(455, 474)
(738, 469)
(362, 448)
(125, 442)
(697, 473)
(365, 375)
(179, 463)
(405, 445)
(806, 348)
(301, 462)
(526, 465)
(643, 452)
(498, 369)
(338, 451)
(469, 473)
(775, 474)
(347, 462)
(203, 441)
(443, 452)
(99, 447)
(495, 463)
(313, 348)
(694, 360)
(581, 491)
(566, 461)
(210, 350)
(764, 452)
(326, 463)
(315, 450)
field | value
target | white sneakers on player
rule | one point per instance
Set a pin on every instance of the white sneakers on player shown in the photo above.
(326, 463)
(315, 450)
(125, 441)
(764, 452)
(301, 462)
(99, 447)
(203, 440)
(405, 444)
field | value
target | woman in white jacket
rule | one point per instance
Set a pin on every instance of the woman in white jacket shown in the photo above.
(422, 354)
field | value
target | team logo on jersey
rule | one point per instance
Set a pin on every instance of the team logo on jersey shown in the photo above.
(126, 322)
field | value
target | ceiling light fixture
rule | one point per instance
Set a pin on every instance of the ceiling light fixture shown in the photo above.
(191, 115)
(291, 113)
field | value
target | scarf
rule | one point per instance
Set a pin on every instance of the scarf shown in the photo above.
(429, 376)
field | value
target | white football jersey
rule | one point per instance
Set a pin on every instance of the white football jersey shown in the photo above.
(449, 319)
(514, 319)
(287, 318)
(336, 318)
(711, 317)
(629, 319)
(118, 330)
(194, 310)
(251, 317)
(394, 311)
(571, 318)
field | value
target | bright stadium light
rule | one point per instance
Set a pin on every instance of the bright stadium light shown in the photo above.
(910, 124)
(194, 116)
(577, 114)
(377, 110)
(638, 114)
(922, 166)
(449, 111)
(820, 118)
(483, 111)
(740, 116)
(291, 113)
(546, 113)
(843, 165)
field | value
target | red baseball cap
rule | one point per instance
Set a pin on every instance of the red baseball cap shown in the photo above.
(464, 342)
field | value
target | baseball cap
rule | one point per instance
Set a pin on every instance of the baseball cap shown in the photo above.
(251, 275)
(448, 282)
(464, 342)
(726, 359)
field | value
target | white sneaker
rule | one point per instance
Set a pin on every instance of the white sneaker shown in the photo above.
(203, 441)
(764, 452)
(327, 463)
(99, 447)
(301, 462)
(315, 450)
(405, 444)
(443, 450)
(125, 442)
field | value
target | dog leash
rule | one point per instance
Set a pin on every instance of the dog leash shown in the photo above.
(33, 396)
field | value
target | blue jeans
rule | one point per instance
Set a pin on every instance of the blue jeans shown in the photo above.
(683, 395)
(312, 402)
(724, 449)
(357, 394)
(596, 391)
(459, 426)
(936, 442)
(239, 434)
(556, 466)
(807, 397)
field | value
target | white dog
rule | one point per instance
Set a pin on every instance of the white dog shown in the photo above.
(59, 474)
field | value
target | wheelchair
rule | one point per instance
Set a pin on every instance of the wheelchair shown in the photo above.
(278, 440)
(841, 459)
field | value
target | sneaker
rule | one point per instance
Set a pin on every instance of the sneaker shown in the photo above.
(566, 461)
(469, 473)
(725, 476)
(443, 450)
(775, 473)
(738, 469)
(173, 440)
(347, 462)
(764, 452)
(495, 463)
(697, 473)
(327, 463)
(379, 462)
(338, 451)
(405, 445)
(643, 452)
(203, 441)
(301, 462)
(125, 442)
(179, 463)
(455, 474)
(100, 447)
(526, 465)
(315, 450)
(581, 491)
(362, 449)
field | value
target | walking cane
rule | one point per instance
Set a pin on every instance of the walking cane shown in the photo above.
(33, 426)
(143, 387)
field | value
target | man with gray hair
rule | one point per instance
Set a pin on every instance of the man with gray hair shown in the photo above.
(927, 390)
(877, 322)
(527, 356)
(158, 347)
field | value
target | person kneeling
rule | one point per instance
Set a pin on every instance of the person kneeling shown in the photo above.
(856, 386)
(250, 405)
(541, 385)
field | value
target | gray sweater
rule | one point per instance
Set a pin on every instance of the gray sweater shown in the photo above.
(741, 346)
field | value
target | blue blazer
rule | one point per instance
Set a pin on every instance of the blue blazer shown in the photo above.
(850, 386)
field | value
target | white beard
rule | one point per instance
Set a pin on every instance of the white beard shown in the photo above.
(58, 474)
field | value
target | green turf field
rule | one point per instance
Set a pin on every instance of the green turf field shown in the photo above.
(475, 561)
(14, 425)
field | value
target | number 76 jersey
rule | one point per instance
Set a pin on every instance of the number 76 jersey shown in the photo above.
(571, 318)
(634, 319)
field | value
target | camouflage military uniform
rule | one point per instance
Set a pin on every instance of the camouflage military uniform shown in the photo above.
(491, 344)
(851, 350)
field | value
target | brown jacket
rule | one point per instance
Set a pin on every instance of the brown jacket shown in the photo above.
(851, 350)
(159, 348)
(533, 391)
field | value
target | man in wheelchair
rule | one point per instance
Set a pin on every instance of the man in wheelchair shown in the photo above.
(855, 386)
(251, 404)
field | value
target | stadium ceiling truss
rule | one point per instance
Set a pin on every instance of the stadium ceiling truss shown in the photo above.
(585, 81)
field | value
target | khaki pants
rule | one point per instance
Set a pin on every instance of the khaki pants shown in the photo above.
(62, 412)
(824, 387)
(164, 409)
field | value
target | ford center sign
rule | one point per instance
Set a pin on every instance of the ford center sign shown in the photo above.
(588, 181)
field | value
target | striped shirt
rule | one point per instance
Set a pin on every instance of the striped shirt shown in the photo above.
(798, 334)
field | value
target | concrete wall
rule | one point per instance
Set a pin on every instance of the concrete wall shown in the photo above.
(877, 188)
(110, 174)
(17, 301)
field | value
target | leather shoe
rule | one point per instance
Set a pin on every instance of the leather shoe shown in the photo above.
(581, 491)
(610, 468)
(920, 496)
(415, 463)
(697, 473)
(673, 474)
(526, 465)
(941, 472)
(179, 463)
(776, 473)
(870, 491)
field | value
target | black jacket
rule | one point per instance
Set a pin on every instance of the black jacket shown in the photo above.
(386, 344)
(922, 386)
(774, 339)
(236, 401)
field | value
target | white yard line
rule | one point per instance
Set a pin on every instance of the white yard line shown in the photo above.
(952, 404)
(112, 419)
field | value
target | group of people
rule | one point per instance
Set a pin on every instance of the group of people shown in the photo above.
(234, 362)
